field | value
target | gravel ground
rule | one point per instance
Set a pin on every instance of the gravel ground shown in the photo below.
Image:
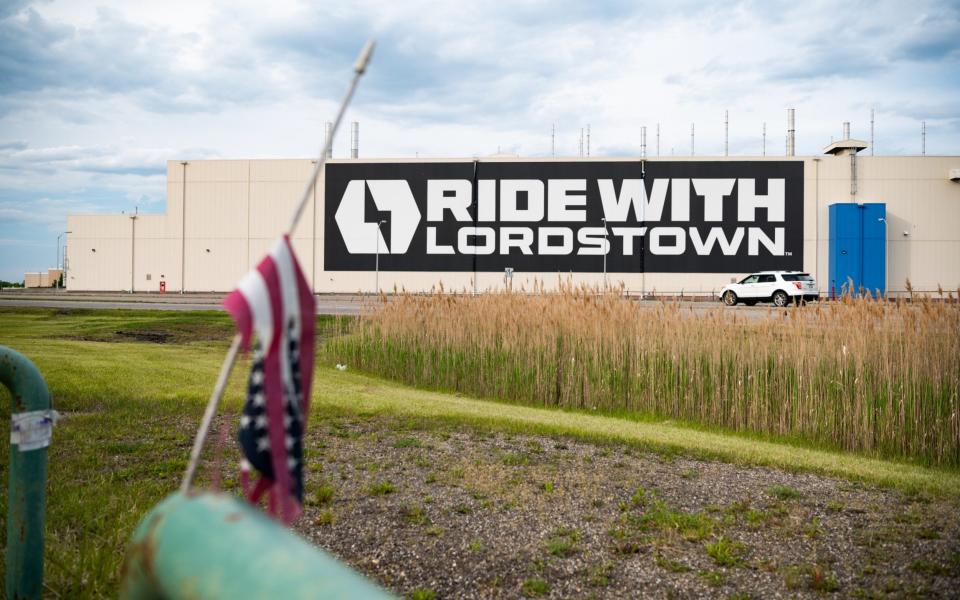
(433, 512)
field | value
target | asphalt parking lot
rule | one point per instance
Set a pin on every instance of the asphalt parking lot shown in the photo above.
(332, 304)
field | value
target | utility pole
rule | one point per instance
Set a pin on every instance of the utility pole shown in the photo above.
(133, 245)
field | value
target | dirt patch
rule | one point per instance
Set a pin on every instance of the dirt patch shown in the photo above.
(155, 337)
(473, 515)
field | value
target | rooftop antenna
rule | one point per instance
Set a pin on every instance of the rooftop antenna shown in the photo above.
(763, 144)
(658, 140)
(643, 141)
(553, 140)
(923, 138)
(588, 139)
(871, 132)
(691, 139)
(791, 132)
(726, 133)
(581, 142)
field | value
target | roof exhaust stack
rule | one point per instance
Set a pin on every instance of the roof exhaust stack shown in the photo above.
(726, 133)
(327, 132)
(846, 130)
(791, 132)
(355, 140)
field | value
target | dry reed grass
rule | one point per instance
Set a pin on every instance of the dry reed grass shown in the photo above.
(857, 374)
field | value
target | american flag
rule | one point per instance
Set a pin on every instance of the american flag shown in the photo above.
(275, 302)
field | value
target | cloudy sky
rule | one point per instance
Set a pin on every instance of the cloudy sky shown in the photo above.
(95, 96)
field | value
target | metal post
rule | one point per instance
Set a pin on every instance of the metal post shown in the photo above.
(202, 545)
(691, 140)
(658, 139)
(816, 163)
(871, 132)
(643, 141)
(313, 235)
(553, 140)
(183, 231)
(59, 256)
(588, 139)
(133, 246)
(923, 138)
(763, 144)
(31, 425)
(606, 248)
(377, 267)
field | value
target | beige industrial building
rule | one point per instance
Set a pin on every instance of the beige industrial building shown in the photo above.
(42, 279)
(222, 216)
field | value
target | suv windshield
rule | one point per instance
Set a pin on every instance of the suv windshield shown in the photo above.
(797, 277)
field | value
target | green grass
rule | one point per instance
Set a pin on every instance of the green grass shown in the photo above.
(534, 587)
(130, 411)
(357, 392)
(784, 492)
(724, 552)
(382, 488)
(562, 542)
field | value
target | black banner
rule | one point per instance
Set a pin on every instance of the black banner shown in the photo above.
(661, 216)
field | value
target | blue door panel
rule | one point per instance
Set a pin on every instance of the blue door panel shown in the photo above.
(857, 248)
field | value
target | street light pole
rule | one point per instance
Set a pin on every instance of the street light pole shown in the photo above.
(133, 240)
(377, 267)
(57, 263)
(606, 248)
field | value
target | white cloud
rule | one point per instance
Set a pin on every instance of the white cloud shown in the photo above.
(99, 94)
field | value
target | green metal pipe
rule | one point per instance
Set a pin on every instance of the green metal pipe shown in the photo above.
(31, 423)
(213, 545)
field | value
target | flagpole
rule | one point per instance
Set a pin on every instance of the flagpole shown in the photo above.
(225, 369)
(359, 68)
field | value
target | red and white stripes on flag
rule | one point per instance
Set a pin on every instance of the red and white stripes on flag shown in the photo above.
(274, 302)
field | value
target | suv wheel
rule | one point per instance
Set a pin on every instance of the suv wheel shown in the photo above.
(780, 298)
(729, 298)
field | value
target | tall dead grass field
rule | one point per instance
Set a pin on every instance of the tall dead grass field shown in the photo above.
(878, 378)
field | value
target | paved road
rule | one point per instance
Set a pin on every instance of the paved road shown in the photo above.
(326, 305)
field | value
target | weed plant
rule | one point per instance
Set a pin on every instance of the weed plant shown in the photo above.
(857, 374)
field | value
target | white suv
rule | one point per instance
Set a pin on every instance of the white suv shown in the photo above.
(779, 287)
